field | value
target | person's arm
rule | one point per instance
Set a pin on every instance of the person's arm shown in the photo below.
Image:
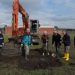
(52, 39)
(22, 40)
(2, 37)
(30, 40)
(60, 40)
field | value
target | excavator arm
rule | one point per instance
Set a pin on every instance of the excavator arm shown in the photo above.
(17, 8)
(25, 16)
(15, 17)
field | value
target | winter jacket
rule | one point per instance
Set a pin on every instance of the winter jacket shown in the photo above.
(66, 40)
(56, 38)
(26, 40)
(1, 39)
(44, 38)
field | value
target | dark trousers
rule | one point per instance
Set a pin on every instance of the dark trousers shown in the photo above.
(23, 51)
(0, 50)
(45, 47)
(57, 47)
(66, 48)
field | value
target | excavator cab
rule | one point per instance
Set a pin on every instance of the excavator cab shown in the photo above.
(34, 25)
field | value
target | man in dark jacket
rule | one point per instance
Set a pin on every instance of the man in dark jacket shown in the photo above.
(56, 41)
(74, 41)
(1, 41)
(66, 42)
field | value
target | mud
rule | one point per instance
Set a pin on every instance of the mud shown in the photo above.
(11, 54)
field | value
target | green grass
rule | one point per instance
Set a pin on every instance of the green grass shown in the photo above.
(5, 38)
(12, 70)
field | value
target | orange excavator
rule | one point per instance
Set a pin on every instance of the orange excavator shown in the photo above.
(17, 8)
(16, 32)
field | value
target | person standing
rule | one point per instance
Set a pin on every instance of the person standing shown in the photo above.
(45, 40)
(26, 42)
(56, 41)
(1, 41)
(66, 42)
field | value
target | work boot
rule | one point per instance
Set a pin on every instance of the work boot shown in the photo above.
(67, 58)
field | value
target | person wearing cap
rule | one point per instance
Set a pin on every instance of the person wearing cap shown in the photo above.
(66, 42)
(26, 42)
(56, 41)
(1, 41)
(45, 40)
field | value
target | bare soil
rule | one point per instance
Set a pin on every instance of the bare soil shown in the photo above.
(11, 54)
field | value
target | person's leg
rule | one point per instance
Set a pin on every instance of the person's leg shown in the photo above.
(46, 46)
(59, 50)
(26, 51)
(56, 47)
(64, 49)
(1, 49)
(43, 47)
(23, 50)
(67, 52)
(47, 49)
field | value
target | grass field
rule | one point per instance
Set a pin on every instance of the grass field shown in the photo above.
(5, 38)
(68, 68)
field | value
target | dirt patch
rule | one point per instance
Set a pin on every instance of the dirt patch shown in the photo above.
(36, 60)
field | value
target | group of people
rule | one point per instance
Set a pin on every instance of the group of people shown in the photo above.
(57, 40)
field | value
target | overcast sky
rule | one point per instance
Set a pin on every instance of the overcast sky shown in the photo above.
(59, 13)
